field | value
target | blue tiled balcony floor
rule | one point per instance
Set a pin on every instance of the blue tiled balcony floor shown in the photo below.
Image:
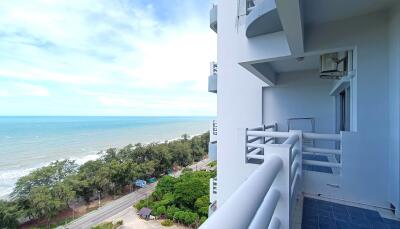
(319, 214)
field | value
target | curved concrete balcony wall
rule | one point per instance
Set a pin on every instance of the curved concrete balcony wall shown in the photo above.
(212, 83)
(212, 151)
(263, 19)
(213, 17)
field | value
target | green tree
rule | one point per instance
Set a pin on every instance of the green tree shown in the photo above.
(192, 185)
(45, 203)
(8, 215)
(201, 205)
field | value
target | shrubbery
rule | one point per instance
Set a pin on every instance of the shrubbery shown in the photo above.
(109, 225)
(45, 192)
(167, 223)
(184, 199)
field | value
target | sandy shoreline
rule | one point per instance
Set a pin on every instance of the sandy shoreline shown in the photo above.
(81, 160)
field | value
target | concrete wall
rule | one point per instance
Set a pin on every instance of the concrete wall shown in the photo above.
(394, 101)
(373, 151)
(367, 167)
(298, 95)
(239, 103)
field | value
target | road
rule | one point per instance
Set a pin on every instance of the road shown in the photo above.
(113, 208)
(97, 216)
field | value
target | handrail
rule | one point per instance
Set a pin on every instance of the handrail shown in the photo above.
(335, 137)
(244, 203)
(269, 134)
(321, 150)
(266, 211)
(291, 140)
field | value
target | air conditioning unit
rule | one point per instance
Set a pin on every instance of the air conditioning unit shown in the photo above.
(335, 65)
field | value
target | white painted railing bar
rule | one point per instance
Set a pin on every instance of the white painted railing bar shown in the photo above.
(294, 184)
(335, 137)
(291, 140)
(322, 163)
(268, 140)
(293, 171)
(256, 129)
(321, 150)
(272, 126)
(266, 210)
(254, 139)
(251, 149)
(252, 156)
(275, 223)
(255, 152)
(243, 204)
(294, 154)
(255, 145)
(271, 134)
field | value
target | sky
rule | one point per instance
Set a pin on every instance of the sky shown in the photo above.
(106, 57)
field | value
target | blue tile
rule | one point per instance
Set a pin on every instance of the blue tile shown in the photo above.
(343, 225)
(380, 225)
(326, 215)
(341, 216)
(361, 222)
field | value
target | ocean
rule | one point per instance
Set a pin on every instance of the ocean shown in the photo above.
(27, 143)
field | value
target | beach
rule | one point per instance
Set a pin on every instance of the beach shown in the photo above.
(28, 143)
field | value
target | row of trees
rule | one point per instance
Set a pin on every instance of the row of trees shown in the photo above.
(184, 199)
(61, 185)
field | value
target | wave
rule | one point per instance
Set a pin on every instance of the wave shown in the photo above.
(9, 177)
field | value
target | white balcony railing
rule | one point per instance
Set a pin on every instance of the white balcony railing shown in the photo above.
(213, 190)
(212, 78)
(264, 199)
(213, 131)
(268, 197)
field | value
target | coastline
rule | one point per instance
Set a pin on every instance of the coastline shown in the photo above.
(79, 160)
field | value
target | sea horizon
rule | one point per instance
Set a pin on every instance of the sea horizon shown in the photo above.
(30, 142)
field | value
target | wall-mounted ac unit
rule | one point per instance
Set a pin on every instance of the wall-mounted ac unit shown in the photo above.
(335, 65)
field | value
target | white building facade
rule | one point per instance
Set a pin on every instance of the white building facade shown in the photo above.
(312, 88)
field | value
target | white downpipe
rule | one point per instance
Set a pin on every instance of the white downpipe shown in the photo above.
(266, 211)
(239, 210)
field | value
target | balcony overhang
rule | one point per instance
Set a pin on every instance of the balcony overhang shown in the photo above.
(263, 19)
(213, 18)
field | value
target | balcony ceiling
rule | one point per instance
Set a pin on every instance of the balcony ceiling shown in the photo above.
(287, 65)
(323, 11)
(292, 65)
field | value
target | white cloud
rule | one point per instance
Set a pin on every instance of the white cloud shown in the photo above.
(22, 89)
(100, 44)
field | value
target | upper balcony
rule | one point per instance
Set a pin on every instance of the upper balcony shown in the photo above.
(213, 17)
(262, 18)
(213, 131)
(212, 79)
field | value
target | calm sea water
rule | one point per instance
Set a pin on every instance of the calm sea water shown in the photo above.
(27, 143)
